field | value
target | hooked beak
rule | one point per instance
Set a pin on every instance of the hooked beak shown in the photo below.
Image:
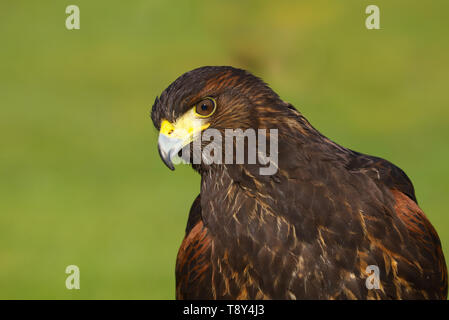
(174, 137)
(168, 147)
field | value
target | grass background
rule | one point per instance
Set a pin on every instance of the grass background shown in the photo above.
(81, 181)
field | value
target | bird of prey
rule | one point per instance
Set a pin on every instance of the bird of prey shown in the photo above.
(330, 223)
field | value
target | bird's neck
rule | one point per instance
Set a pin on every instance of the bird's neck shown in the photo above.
(234, 197)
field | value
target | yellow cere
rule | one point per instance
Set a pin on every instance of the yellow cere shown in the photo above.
(166, 128)
(185, 127)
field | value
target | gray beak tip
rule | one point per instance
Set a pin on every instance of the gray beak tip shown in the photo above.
(168, 147)
(165, 158)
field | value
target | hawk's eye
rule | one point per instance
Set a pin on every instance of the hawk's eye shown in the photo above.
(205, 107)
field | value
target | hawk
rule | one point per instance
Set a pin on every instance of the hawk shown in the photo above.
(317, 228)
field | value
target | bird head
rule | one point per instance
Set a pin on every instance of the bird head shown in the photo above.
(210, 97)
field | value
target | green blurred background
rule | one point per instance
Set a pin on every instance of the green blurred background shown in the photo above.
(81, 181)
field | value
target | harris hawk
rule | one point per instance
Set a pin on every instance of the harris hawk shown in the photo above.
(311, 230)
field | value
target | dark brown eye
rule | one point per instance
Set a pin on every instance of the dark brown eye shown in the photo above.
(205, 107)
